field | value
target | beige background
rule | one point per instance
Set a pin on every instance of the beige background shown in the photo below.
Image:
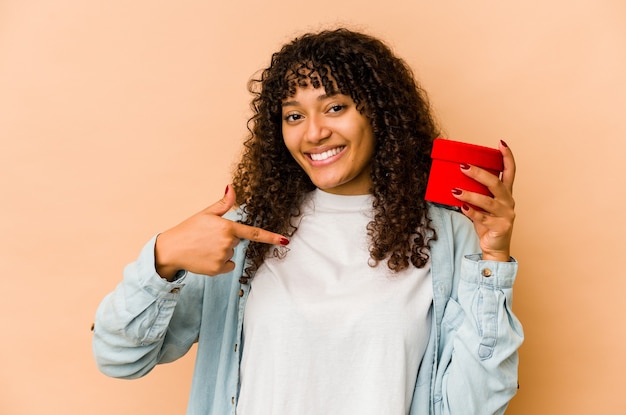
(121, 118)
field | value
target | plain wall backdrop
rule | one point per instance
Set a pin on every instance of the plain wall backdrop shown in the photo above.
(120, 119)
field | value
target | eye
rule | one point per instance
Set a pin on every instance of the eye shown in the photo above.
(293, 117)
(336, 108)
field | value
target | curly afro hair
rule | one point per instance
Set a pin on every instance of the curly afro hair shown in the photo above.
(270, 185)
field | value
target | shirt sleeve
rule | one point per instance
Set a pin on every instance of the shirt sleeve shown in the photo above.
(480, 335)
(139, 324)
(482, 375)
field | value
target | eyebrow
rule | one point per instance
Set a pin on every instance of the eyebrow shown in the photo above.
(294, 103)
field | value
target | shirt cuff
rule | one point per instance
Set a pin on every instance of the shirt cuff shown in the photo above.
(489, 273)
(150, 280)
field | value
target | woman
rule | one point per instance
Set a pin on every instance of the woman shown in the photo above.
(337, 289)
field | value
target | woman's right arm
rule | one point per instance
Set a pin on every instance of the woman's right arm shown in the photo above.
(151, 317)
(146, 320)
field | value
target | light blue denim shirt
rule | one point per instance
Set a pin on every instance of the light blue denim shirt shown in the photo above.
(470, 364)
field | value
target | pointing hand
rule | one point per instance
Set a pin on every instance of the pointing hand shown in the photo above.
(205, 242)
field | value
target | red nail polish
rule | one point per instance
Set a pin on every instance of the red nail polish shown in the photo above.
(465, 207)
(284, 241)
(465, 166)
(456, 191)
(226, 191)
(504, 143)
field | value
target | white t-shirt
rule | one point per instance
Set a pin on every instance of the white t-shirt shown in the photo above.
(324, 332)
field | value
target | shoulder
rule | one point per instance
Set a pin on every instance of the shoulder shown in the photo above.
(453, 229)
(448, 218)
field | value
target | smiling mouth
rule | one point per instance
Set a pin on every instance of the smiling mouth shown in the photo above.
(326, 154)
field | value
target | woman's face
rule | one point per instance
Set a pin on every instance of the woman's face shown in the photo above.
(329, 139)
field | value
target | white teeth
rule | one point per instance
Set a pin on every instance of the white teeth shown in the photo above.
(326, 154)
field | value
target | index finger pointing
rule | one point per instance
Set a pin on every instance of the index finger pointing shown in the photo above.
(255, 234)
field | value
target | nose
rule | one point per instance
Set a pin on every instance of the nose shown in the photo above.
(317, 130)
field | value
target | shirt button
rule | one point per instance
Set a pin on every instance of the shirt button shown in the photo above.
(486, 272)
(175, 290)
(240, 293)
(232, 400)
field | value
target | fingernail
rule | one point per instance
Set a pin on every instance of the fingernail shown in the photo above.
(456, 191)
(226, 191)
(465, 207)
(465, 166)
(284, 241)
(504, 143)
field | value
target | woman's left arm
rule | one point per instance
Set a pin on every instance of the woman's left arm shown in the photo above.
(482, 375)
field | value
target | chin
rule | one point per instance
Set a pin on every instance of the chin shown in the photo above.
(327, 186)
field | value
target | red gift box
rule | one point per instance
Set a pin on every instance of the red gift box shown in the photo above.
(446, 174)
